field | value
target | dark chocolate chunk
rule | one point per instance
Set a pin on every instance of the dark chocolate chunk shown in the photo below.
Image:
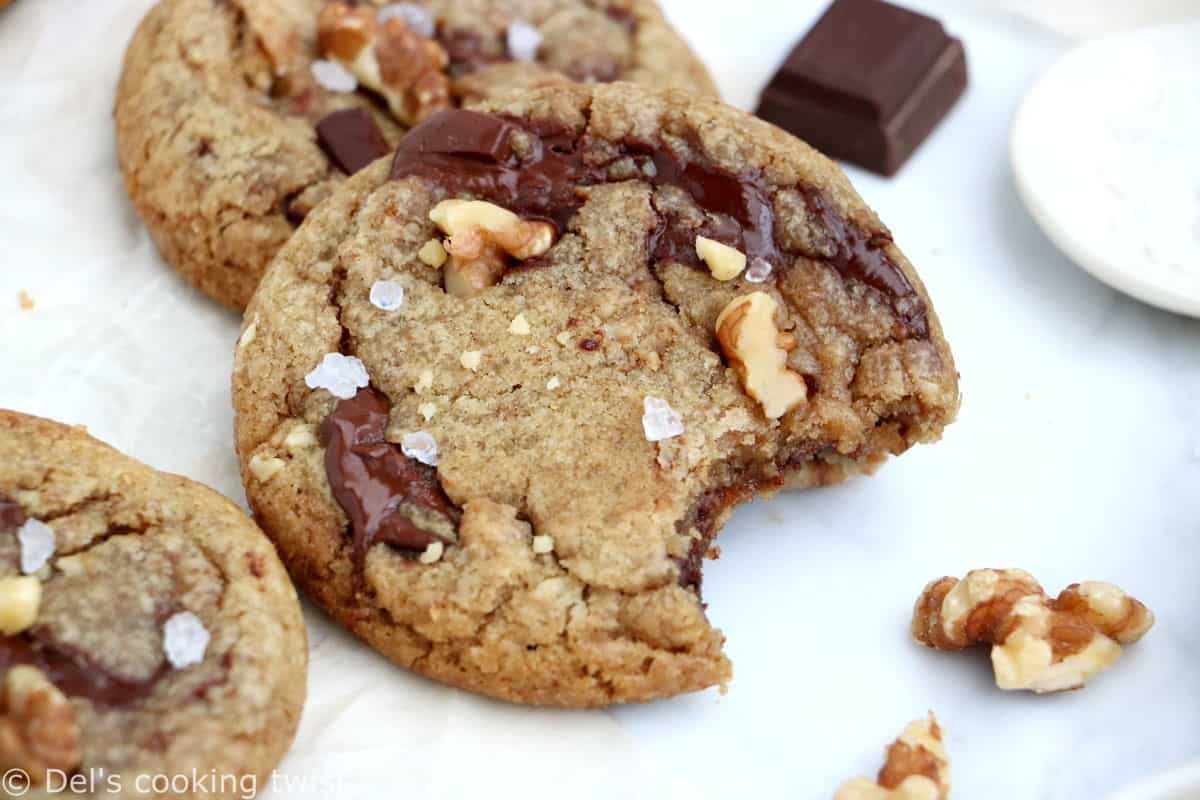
(73, 673)
(868, 83)
(469, 153)
(388, 496)
(351, 139)
(12, 516)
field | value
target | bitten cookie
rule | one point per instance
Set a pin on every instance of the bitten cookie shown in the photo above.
(235, 118)
(150, 641)
(498, 394)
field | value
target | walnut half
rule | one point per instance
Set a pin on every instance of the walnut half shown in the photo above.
(38, 730)
(1039, 643)
(757, 351)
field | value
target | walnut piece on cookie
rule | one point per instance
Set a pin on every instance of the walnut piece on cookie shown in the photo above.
(1039, 643)
(483, 237)
(389, 57)
(38, 729)
(916, 768)
(757, 351)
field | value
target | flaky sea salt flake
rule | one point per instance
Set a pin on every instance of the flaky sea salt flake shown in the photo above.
(660, 421)
(342, 376)
(387, 295)
(37, 545)
(184, 639)
(524, 41)
(420, 446)
(759, 270)
(333, 76)
(417, 18)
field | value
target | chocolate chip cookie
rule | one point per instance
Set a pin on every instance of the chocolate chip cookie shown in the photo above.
(148, 631)
(497, 395)
(234, 118)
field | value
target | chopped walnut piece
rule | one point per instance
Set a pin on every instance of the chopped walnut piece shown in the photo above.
(38, 731)
(389, 57)
(483, 236)
(20, 598)
(757, 351)
(917, 768)
(1038, 643)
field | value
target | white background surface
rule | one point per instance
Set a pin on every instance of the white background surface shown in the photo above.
(1077, 456)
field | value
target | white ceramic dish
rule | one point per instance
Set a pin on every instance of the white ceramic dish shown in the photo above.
(1104, 154)
(1182, 783)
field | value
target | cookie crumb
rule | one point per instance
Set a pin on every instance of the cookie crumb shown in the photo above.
(387, 295)
(24, 301)
(427, 410)
(416, 17)
(471, 360)
(523, 41)
(433, 254)
(543, 545)
(563, 338)
(342, 376)
(660, 421)
(420, 446)
(333, 76)
(37, 545)
(519, 326)
(184, 639)
(553, 383)
(433, 553)
(759, 270)
(424, 381)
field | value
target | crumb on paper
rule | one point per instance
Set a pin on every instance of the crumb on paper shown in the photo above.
(24, 301)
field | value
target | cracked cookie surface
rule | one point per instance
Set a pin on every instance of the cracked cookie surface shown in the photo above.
(217, 108)
(165, 638)
(515, 485)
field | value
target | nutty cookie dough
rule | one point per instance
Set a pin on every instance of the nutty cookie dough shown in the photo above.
(147, 627)
(498, 394)
(235, 118)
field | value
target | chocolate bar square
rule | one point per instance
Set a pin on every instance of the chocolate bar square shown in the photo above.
(868, 83)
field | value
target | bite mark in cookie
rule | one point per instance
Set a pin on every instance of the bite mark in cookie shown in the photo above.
(592, 453)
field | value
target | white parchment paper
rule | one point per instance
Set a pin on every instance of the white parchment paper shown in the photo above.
(1077, 456)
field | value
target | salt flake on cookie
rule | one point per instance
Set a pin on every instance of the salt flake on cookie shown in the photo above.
(342, 376)
(660, 421)
(37, 545)
(420, 446)
(185, 639)
(387, 295)
(333, 76)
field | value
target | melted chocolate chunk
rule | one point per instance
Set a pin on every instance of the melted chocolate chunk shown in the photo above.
(472, 153)
(12, 516)
(351, 139)
(467, 152)
(73, 673)
(863, 257)
(387, 496)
